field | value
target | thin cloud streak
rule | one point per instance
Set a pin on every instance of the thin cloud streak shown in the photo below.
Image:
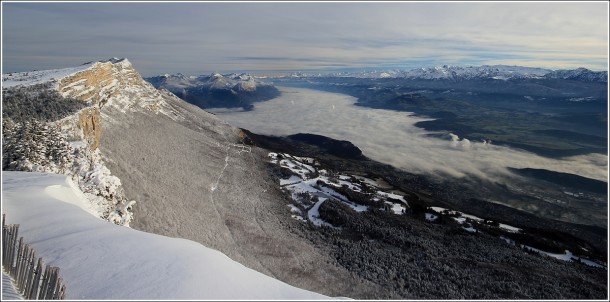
(196, 38)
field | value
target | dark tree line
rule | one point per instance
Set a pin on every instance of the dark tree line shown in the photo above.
(29, 143)
(414, 259)
(23, 103)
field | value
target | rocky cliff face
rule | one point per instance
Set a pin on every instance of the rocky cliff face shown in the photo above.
(90, 122)
(100, 83)
(114, 83)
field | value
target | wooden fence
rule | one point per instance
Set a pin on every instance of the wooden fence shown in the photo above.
(19, 261)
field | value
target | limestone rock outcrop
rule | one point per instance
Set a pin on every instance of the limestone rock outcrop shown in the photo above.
(90, 122)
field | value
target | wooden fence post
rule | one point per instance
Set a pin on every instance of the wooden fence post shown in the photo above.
(13, 231)
(5, 240)
(18, 258)
(36, 282)
(30, 275)
(20, 268)
(62, 292)
(57, 287)
(21, 260)
(45, 283)
(52, 284)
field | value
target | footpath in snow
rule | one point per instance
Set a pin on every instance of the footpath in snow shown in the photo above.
(100, 260)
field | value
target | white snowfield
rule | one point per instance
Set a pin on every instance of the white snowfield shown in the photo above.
(100, 260)
(41, 76)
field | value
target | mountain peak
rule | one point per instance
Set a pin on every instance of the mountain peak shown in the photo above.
(114, 60)
(579, 74)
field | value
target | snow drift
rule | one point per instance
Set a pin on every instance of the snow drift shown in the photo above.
(100, 260)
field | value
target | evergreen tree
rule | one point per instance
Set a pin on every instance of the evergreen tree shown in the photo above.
(8, 142)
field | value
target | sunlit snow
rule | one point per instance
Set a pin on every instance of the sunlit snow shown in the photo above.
(100, 260)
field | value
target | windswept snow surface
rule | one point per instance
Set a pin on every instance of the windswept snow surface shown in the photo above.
(41, 76)
(9, 292)
(100, 260)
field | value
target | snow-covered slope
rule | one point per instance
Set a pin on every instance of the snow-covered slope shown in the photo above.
(41, 76)
(194, 178)
(100, 260)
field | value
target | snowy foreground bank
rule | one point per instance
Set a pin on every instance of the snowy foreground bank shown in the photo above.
(100, 260)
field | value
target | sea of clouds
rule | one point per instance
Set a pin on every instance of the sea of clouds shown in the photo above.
(391, 137)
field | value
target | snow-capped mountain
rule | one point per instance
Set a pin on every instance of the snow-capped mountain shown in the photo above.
(455, 73)
(217, 81)
(216, 90)
(446, 72)
(485, 71)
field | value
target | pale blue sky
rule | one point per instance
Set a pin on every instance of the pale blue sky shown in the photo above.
(198, 38)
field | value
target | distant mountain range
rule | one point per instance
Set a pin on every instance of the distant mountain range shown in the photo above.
(216, 90)
(242, 90)
(579, 74)
(499, 72)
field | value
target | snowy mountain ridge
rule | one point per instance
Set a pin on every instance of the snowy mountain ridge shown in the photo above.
(104, 84)
(579, 74)
(498, 72)
(189, 171)
(233, 82)
(217, 90)
(111, 82)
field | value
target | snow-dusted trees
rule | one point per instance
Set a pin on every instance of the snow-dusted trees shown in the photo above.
(34, 146)
(28, 142)
(32, 142)
(411, 258)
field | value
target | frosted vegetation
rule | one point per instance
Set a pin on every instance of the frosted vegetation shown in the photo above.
(426, 252)
(310, 187)
(35, 138)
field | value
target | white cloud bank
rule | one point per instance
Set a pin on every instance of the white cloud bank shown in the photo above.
(391, 137)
